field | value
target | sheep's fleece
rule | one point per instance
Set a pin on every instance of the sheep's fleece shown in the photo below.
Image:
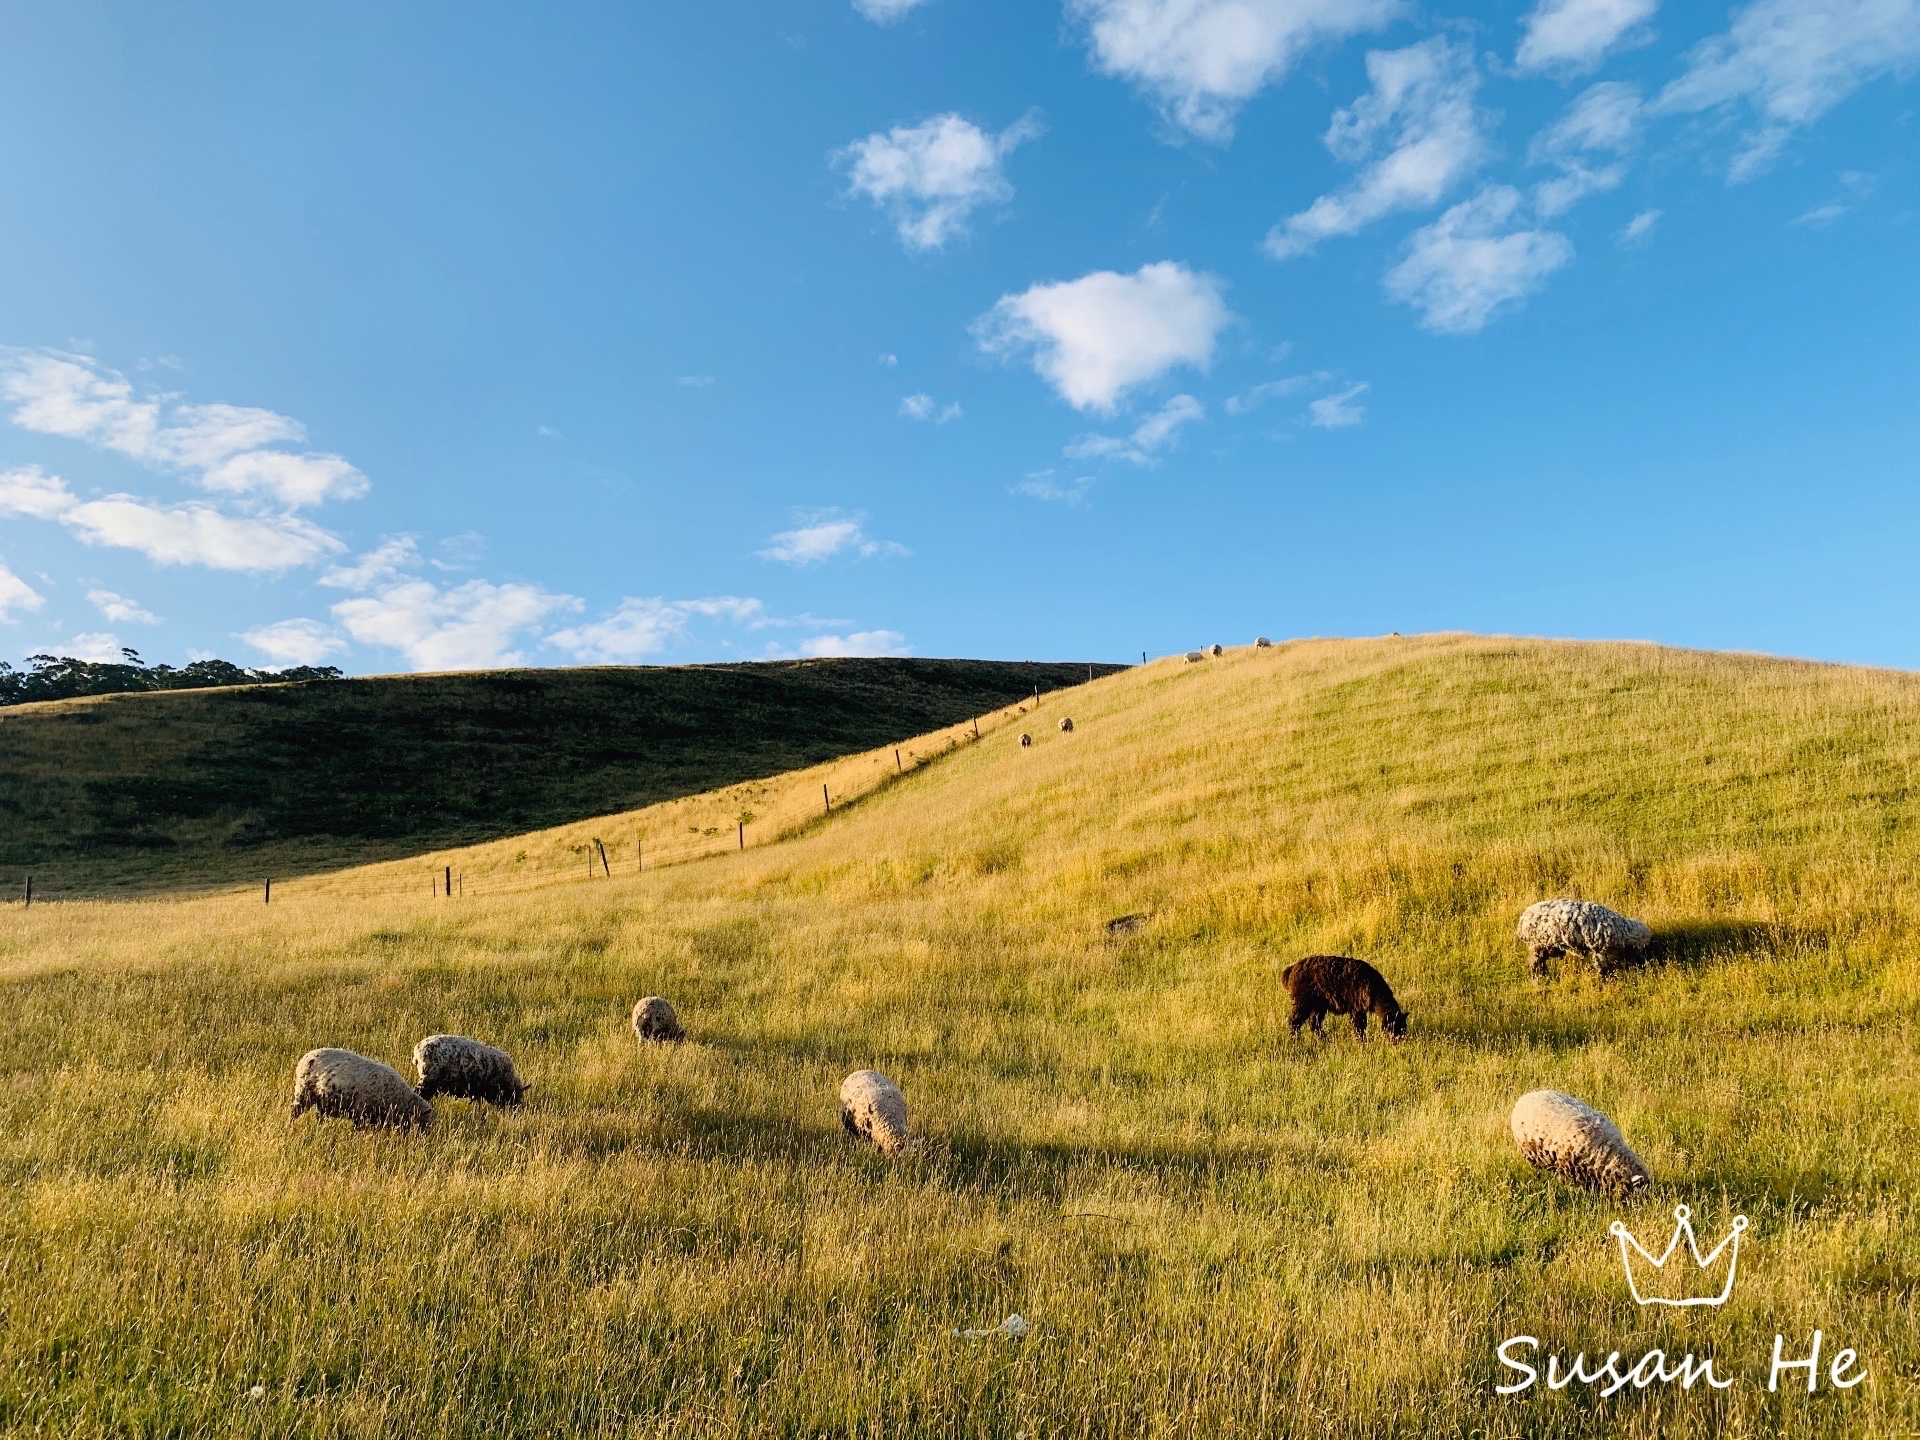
(1553, 927)
(654, 1019)
(455, 1065)
(341, 1083)
(872, 1106)
(1569, 1137)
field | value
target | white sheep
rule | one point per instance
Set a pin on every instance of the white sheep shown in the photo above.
(655, 1019)
(455, 1065)
(1262, 643)
(1553, 927)
(1194, 656)
(343, 1084)
(1218, 651)
(1066, 724)
(872, 1107)
(1559, 1133)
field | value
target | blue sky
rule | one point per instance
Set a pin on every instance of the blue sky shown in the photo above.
(447, 336)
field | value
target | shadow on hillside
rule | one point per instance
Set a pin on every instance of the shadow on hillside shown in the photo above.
(1691, 945)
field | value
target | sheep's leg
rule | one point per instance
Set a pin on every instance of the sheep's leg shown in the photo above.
(1299, 1019)
(1316, 1019)
(1537, 960)
(1359, 1018)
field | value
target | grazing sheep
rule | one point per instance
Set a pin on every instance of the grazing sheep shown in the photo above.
(1559, 1133)
(1195, 655)
(1553, 927)
(654, 1019)
(1066, 723)
(1126, 924)
(1025, 739)
(1334, 984)
(872, 1107)
(1218, 651)
(455, 1065)
(341, 1083)
(1262, 643)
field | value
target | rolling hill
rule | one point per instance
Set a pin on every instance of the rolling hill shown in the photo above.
(194, 787)
(1212, 1229)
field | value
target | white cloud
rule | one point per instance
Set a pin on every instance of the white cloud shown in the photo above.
(1573, 36)
(293, 480)
(889, 359)
(294, 642)
(1095, 338)
(55, 393)
(860, 642)
(120, 610)
(100, 647)
(930, 177)
(30, 491)
(1820, 216)
(1639, 227)
(392, 558)
(1202, 59)
(200, 535)
(1421, 108)
(1271, 390)
(1791, 61)
(1041, 485)
(469, 627)
(693, 382)
(1336, 412)
(638, 628)
(1603, 121)
(885, 12)
(16, 594)
(924, 407)
(1156, 433)
(1473, 260)
(824, 537)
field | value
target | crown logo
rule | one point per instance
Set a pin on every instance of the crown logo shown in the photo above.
(1668, 1289)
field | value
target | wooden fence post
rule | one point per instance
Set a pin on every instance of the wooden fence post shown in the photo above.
(449, 882)
(268, 900)
(639, 854)
(603, 859)
(896, 759)
(743, 834)
(29, 892)
(826, 800)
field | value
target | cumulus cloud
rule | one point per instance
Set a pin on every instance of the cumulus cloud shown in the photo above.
(16, 595)
(1636, 230)
(1475, 259)
(932, 176)
(825, 536)
(1143, 446)
(1585, 143)
(1791, 62)
(294, 642)
(860, 642)
(195, 534)
(1336, 412)
(100, 647)
(120, 610)
(1573, 36)
(885, 12)
(473, 626)
(1095, 338)
(28, 490)
(393, 557)
(638, 628)
(1202, 59)
(73, 396)
(924, 407)
(1419, 128)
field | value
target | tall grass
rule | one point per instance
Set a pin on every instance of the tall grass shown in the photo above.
(1213, 1230)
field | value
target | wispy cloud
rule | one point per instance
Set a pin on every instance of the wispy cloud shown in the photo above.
(1636, 230)
(860, 642)
(823, 537)
(638, 628)
(1475, 260)
(1148, 440)
(1418, 126)
(885, 12)
(1790, 62)
(1585, 143)
(1044, 485)
(932, 176)
(693, 382)
(1201, 60)
(1251, 400)
(294, 642)
(120, 610)
(16, 595)
(1337, 412)
(923, 406)
(1095, 338)
(1573, 36)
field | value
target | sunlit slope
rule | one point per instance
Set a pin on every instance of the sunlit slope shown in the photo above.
(189, 788)
(1214, 1230)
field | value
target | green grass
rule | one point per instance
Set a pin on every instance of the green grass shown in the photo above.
(186, 788)
(1213, 1230)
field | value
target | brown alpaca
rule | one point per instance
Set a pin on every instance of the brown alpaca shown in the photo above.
(1332, 984)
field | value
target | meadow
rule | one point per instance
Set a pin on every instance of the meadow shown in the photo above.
(1213, 1230)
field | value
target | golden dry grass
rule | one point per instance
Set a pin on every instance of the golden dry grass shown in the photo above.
(1213, 1230)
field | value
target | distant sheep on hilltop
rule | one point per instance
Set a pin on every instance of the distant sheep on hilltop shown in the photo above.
(1554, 927)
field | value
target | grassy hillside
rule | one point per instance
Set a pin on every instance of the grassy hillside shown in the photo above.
(1213, 1230)
(195, 787)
